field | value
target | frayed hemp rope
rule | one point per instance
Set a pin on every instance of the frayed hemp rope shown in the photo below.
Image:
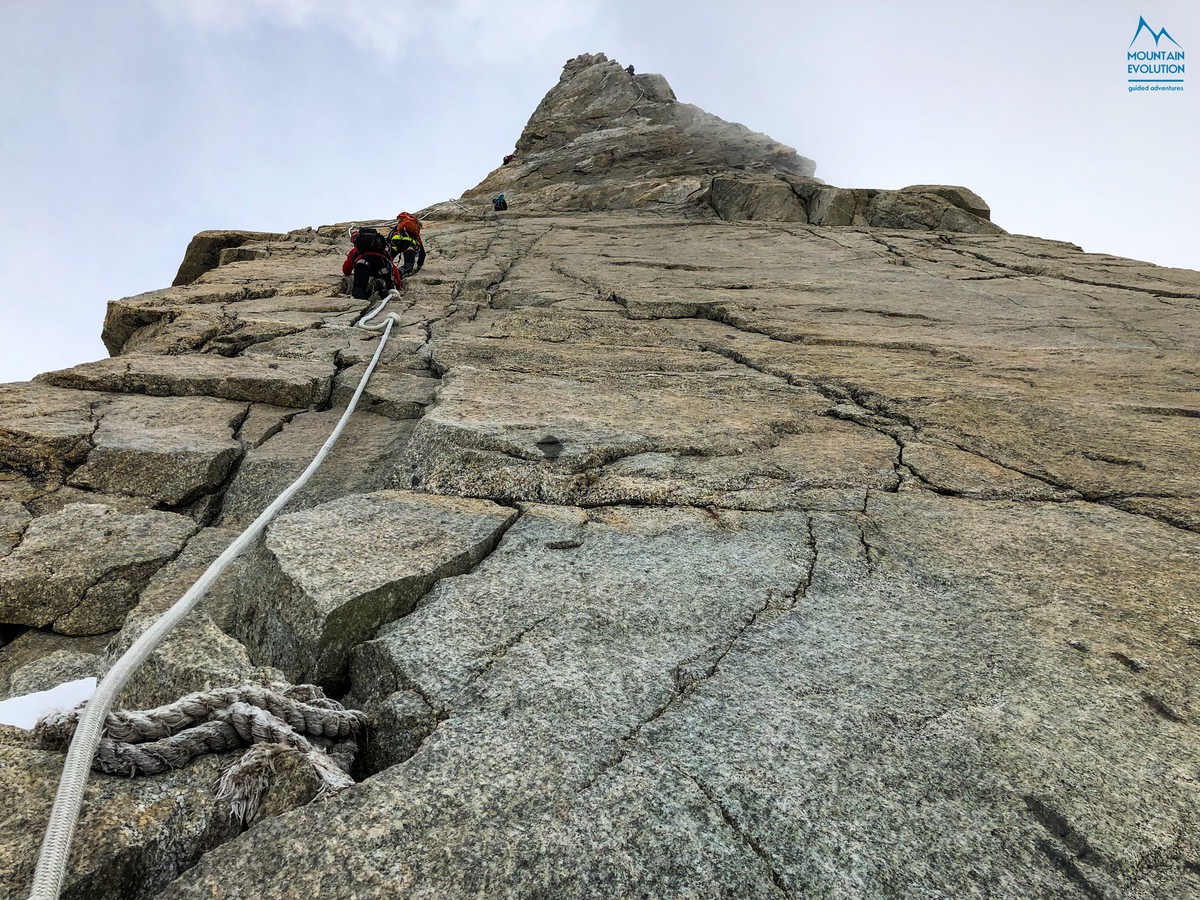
(299, 719)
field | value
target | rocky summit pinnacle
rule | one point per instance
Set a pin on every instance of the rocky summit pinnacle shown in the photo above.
(603, 137)
(706, 530)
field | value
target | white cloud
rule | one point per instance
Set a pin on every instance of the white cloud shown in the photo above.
(468, 29)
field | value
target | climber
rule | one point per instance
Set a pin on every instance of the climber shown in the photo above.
(500, 204)
(507, 159)
(368, 259)
(404, 242)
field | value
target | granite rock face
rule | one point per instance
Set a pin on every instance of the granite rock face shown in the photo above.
(280, 382)
(44, 431)
(706, 530)
(198, 654)
(358, 463)
(80, 570)
(171, 451)
(207, 250)
(324, 580)
(40, 660)
(134, 835)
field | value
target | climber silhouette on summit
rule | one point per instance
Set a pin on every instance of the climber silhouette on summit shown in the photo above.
(368, 259)
(404, 242)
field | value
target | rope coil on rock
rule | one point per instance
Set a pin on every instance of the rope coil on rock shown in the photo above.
(89, 729)
(322, 731)
(303, 708)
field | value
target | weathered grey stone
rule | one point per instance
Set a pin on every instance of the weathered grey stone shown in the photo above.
(80, 570)
(1182, 512)
(964, 198)
(40, 660)
(597, 737)
(44, 430)
(545, 437)
(739, 197)
(225, 320)
(404, 351)
(279, 382)
(314, 343)
(183, 319)
(197, 655)
(240, 254)
(13, 519)
(170, 450)
(324, 580)
(53, 501)
(826, 456)
(547, 660)
(134, 835)
(933, 210)
(603, 138)
(20, 489)
(838, 206)
(205, 249)
(362, 460)
(396, 395)
(964, 474)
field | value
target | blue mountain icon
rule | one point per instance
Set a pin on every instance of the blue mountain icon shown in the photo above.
(1156, 34)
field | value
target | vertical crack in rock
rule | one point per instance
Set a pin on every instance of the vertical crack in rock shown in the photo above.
(499, 652)
(894, 254)
(304, 606)
(687, 679)
(743, 835)
(810, 541)
(593, 283)
(207, 507)
(491, 270)
(863, 518)
(512, 261)
(81, 569)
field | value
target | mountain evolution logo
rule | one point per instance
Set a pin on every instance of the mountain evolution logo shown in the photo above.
(1160, 69)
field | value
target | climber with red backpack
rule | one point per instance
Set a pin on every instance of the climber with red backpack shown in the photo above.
(404, 242)
(369, 259)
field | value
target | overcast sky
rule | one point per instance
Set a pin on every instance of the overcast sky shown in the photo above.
(129, 125)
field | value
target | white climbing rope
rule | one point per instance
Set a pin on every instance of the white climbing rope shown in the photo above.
(64, 815)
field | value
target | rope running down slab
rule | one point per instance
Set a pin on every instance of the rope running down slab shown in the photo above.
(64, 815)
